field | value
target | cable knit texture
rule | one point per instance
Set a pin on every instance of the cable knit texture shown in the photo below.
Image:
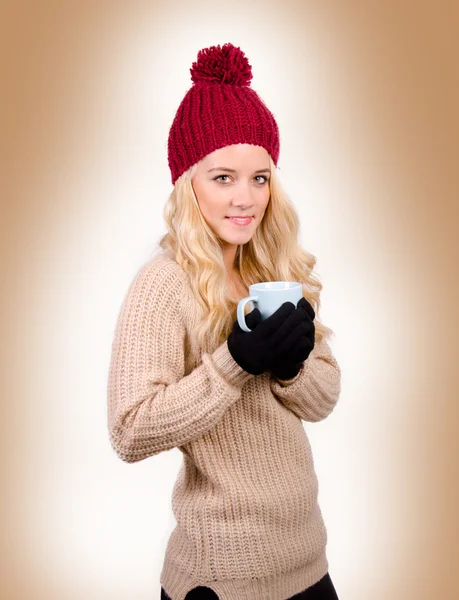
(245, 500)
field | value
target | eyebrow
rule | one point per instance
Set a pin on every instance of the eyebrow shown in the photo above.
(233, 171)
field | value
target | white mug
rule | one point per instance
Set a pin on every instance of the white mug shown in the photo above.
(268, 297)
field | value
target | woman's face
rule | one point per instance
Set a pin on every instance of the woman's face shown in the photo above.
(233, 181)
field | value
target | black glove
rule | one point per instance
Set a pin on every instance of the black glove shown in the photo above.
(289, 361)
(257, 350)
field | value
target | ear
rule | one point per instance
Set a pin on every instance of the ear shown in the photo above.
(304, 304)
(253, 318)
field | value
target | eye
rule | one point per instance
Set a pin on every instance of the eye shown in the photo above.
(219, 178)
(263, 177)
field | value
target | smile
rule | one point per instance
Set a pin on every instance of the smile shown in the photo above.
(240, 221)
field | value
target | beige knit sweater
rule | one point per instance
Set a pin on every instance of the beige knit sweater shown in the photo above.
(245, 500)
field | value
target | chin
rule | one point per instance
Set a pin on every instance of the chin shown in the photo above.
(238, 239)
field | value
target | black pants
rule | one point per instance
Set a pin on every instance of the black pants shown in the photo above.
(322, 590)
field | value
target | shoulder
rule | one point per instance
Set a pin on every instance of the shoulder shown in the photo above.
(162, 270)
(158, 281)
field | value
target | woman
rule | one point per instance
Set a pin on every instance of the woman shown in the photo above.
(184, 375)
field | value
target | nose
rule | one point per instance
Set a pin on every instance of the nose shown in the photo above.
(242, 196)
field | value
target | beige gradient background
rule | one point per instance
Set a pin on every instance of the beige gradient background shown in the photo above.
(366, 95)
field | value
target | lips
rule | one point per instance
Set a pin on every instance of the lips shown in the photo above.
(240, 221)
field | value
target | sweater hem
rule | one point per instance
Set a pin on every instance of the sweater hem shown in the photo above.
(177, 583)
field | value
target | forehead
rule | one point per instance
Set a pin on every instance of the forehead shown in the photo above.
(238, 156)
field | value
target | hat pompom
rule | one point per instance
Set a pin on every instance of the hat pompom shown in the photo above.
(225, 64)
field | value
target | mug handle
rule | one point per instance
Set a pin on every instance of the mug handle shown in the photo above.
(240, 312)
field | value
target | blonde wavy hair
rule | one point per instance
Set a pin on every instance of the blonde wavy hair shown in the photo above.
(273, 254)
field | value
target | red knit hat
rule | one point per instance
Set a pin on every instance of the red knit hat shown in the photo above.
(220, 109)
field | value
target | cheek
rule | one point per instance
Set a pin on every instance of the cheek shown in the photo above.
(212, 202)
(203, 197)
(218, 200)
(266, 197)
(265, 202)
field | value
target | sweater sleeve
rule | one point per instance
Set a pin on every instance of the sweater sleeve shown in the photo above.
(313, 393)
(152, 405)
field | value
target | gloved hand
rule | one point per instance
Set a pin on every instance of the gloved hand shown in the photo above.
(291, 354)
(256, 351)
